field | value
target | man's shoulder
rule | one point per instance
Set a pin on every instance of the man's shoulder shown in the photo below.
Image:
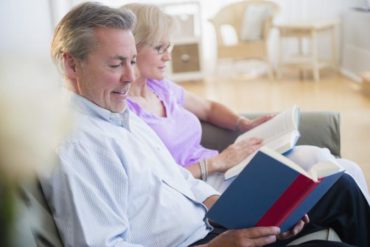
(87, 130)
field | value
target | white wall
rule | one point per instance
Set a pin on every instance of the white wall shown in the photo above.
(26, 30)
(356, 44)
(26, 26)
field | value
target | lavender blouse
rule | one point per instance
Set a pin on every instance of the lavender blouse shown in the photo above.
(180, 130)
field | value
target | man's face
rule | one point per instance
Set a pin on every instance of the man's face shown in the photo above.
(105, 76)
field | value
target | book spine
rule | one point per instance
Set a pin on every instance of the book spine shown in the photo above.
(287, 202)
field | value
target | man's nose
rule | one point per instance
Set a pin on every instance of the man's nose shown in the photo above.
(129, 74)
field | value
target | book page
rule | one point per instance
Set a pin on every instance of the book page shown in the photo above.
(284, 142)
(280, 134)
(272, 153)
(283, 123)
(318, 170)
(234, 171)
(324, 169)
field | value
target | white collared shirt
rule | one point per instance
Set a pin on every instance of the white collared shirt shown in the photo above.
(117, 185)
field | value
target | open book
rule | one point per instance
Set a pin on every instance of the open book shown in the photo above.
(273, 191)
(279, 133)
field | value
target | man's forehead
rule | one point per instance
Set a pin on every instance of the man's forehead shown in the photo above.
(107, 34)
(114, 40)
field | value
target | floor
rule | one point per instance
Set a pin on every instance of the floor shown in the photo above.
(333, 93)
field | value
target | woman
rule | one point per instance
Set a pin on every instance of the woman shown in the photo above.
(174, 113)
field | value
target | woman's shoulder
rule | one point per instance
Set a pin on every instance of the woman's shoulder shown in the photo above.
(162, 85)
(167, 89)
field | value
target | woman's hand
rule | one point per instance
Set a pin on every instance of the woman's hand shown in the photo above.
(233, 154)
(246, 124)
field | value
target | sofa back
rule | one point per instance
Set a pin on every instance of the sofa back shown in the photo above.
(321, 129)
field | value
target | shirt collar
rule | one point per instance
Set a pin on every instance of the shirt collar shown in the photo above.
(85, 106)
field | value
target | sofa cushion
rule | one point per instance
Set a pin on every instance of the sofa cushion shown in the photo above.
(34, 225)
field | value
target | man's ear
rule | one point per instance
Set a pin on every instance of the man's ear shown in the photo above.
(70, 66)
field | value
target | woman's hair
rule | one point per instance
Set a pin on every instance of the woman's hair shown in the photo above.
(152, 24)
(75, 32)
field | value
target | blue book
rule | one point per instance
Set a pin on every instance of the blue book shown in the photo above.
(273, 191)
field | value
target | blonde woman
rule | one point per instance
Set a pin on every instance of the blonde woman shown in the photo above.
(175, 113)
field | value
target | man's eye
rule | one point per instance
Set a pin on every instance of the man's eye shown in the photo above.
(114, 65)
(133, 62)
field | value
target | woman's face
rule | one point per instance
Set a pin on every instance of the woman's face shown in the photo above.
(152, 59)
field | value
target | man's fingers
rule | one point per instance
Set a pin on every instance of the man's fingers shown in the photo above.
(257, 232)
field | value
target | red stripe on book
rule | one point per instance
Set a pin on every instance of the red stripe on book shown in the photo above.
(287, 202)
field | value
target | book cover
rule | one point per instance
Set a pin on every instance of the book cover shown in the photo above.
(270, 191)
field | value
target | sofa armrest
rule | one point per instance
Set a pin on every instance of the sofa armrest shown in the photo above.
(34, 222)
(321, 129)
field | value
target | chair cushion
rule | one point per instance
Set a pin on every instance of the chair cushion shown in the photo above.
(253, 21)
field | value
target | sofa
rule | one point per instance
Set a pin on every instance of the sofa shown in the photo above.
(34, 224)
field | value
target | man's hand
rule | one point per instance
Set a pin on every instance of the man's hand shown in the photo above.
(295, 230)
(255, 236)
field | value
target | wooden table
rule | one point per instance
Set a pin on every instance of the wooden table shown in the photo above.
(366, 83)
(306, 60)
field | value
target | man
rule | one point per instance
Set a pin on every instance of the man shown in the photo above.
(117, 184)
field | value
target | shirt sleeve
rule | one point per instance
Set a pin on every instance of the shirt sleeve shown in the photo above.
(200, 189)
(88, 195)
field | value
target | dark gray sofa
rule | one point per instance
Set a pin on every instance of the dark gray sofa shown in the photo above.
(34, 223)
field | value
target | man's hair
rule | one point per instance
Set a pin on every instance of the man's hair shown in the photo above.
(75, 32)
(152, 23)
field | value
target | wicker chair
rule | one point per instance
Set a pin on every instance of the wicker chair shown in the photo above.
(235, 15)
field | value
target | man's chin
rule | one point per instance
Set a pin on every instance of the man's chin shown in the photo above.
(118, 109)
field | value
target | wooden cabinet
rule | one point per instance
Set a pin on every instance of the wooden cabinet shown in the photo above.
(185, 58)
(186, 61)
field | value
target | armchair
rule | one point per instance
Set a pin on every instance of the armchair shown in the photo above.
(252, 21)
